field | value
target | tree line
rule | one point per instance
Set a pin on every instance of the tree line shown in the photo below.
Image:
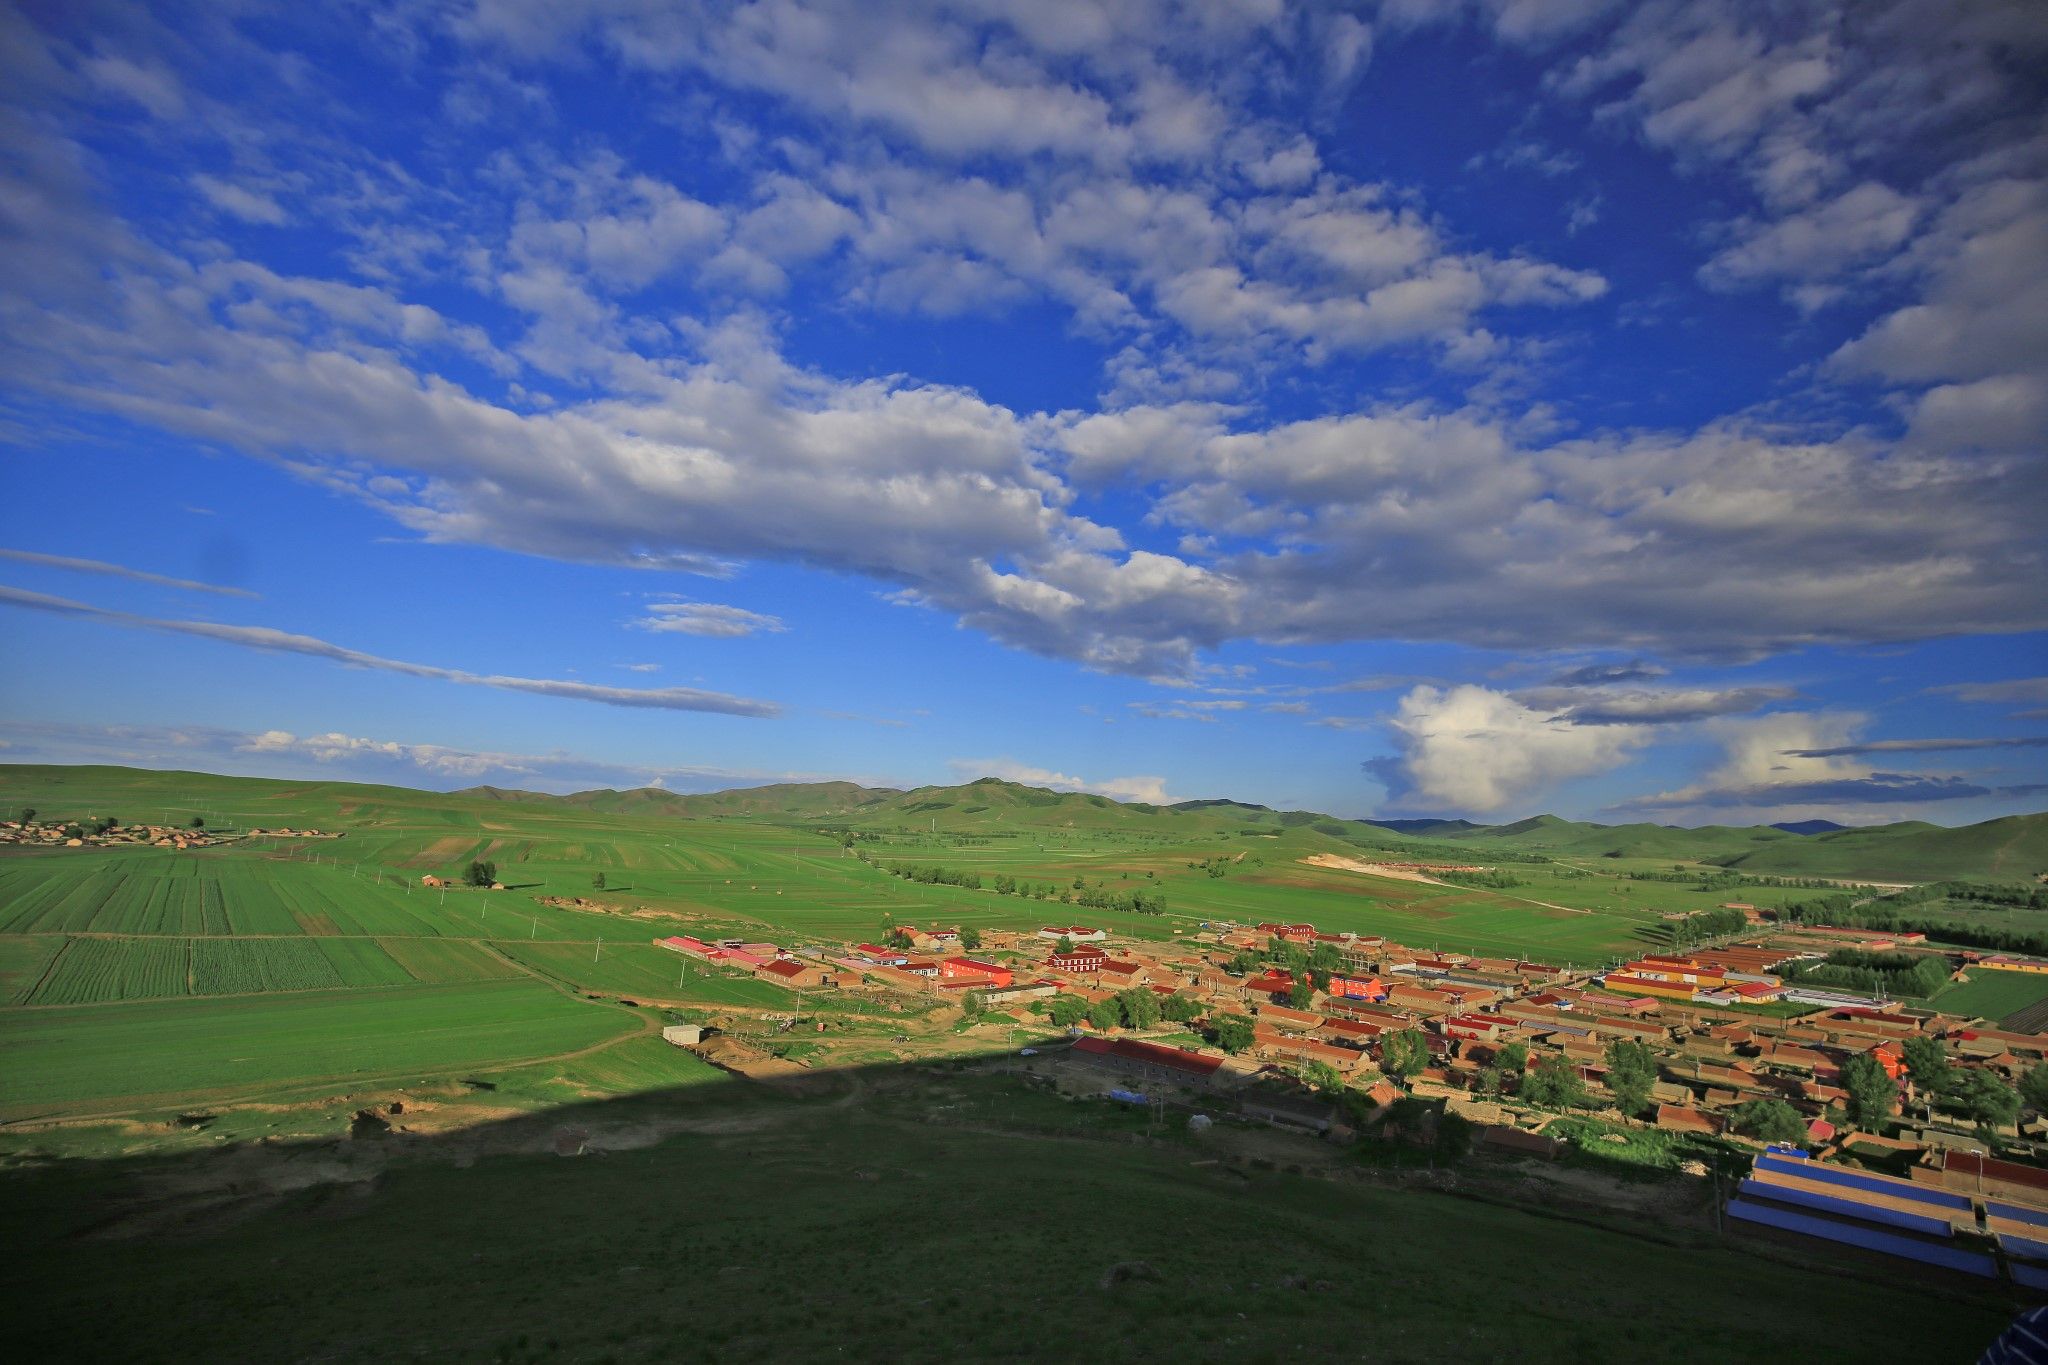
(1857, 969)
(1138, 902)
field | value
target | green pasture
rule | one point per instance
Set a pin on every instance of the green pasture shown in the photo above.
(1991, 994)
(168, 1052)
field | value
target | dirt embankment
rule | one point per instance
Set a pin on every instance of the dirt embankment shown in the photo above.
(1399, 874)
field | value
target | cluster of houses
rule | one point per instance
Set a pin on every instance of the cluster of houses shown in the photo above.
(1693, 1010)
(64, 834)
(73, 834)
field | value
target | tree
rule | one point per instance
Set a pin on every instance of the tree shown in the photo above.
(973, 1004)
(597, 882)
(2034, 1087)
(199, 822)
(481, 873)
(1300, 994)
(899, 937)
(1872, 1094)
(1509, 1062)
(1325, 958)
(1986, 1098)
(1453, 1135)
(1554, 1084)
(1140, 1008)
(970, 938)
(28, 814)
(1065, 1011)
(1180, 1009)
(1769, 1121)
(1322, 1077)
(1065, 945)
(1927, 1063)
(1231, 1032)
(1631, 1073)
(1404, 1054)
(1105, 1013)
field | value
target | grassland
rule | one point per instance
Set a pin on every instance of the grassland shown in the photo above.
(270, 987)
(1992, 995)
(182, 939)
(896, 1231)
(99, 1057)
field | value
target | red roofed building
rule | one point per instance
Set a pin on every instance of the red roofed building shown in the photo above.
(975, 970)
(1358, 988)
(1082, 959)
(792, 972)
(1148, 1061)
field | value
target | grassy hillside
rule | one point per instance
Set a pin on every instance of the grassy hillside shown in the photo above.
(934, 1223)
(2012, 849)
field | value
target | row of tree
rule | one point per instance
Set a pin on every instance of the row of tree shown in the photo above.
(1137, 1008)
(1493, 879)
(1919, 974)
(1703, 925)
(1098, 897)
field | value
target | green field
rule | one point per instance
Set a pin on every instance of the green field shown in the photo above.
(153, 1053)
(1992, 995)
(93, 939)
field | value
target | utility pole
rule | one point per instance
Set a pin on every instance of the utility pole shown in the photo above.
(599, 948)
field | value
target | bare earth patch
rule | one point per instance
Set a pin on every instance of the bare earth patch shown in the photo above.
(1399, 874)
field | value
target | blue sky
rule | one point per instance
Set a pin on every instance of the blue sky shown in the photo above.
(1635, 412)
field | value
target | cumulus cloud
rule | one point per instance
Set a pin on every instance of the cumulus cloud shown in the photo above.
(100, 566)
(1469, 748)
(1806, 763)
(270, 640)
(1144, 789)
(1095, 159)
(707, 618)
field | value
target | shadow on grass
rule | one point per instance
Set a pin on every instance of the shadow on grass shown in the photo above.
(932, 1211)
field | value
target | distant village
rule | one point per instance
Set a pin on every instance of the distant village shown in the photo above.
(107, 832)
(1346, 1036)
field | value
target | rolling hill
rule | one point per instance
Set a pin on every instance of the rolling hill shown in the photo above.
(2014, 848)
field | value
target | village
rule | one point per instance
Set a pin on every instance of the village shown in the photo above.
(106, 832)
(1355, 1038)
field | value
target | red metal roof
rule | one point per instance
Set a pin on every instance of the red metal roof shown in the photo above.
(1157, 1054)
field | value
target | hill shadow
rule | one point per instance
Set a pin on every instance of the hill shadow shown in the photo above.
(905, 1212)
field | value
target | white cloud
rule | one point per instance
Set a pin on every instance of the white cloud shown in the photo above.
(1808, 765)
(249, 205)
(707, 618)
(100, 566)
(1146, 789)
(1469, 748)
(270, 640)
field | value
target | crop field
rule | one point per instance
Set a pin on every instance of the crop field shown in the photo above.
(1993, 995)
(93, 969)
(72, 1060)
(644, 971)
(22, 964)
